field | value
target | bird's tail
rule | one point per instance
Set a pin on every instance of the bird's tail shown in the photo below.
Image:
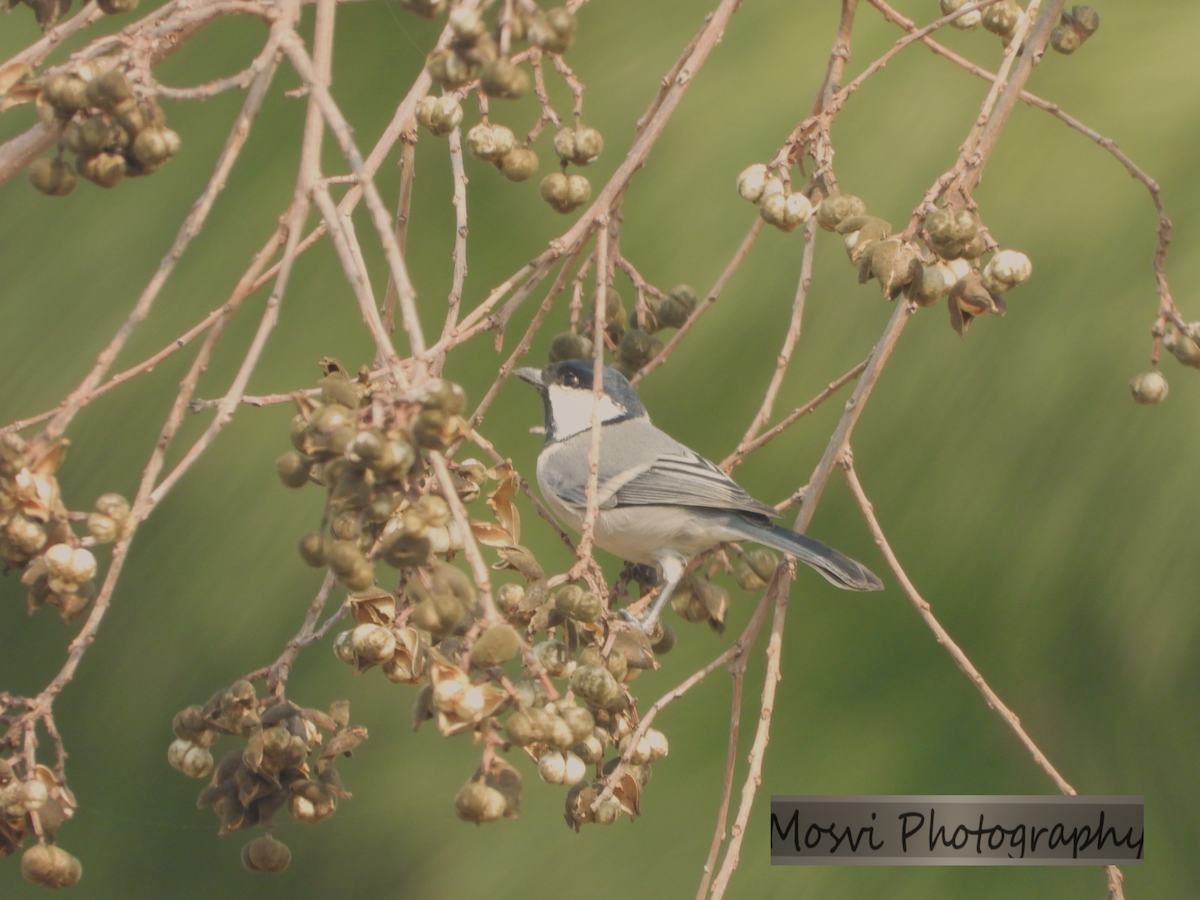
(836, 567)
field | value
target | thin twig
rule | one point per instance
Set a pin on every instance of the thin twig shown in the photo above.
(777, 590)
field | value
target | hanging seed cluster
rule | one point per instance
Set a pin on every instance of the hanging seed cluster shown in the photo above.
(776, 202)
(41, 796)
(364, 450)
(632, 347)
(473, 61)
(284, 761)
(546, 674)
(36, 534)
(112, 133)
(1183, 342)
(954, 236)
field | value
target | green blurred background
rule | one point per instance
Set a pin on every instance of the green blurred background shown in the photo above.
(1049, 520)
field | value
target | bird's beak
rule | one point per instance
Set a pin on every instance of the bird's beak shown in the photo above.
(533, 376)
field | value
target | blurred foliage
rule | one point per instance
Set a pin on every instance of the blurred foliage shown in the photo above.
(1049, 520)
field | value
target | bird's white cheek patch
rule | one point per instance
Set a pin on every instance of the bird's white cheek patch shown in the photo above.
(572, 410)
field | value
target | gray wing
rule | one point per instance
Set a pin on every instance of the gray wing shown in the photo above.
(642, 466)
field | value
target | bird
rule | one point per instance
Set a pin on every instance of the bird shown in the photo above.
(659, 503)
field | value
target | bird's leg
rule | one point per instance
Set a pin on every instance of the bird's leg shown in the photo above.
(673, 570)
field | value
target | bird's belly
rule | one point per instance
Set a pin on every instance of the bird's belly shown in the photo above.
(648, 534)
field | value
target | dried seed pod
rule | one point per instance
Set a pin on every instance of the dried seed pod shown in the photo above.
(859, 241)
(489, 142)
(569, 345)
(1065, 39)
(969, 298)
(71, 565)
(1085, 19)
(929, 286)
(293, 468)
(1001, 18)
(575, 603)
(773, 208)
(559, 767)
(265, 854)
(556, 191)
(501, 78)
(1006, 270)
(638, 753)
(1183, 345)
(752, 182)
(966, 22)
(747, 578)
(467, 24)
(636, 349)
(476, 802)
(797, 209)
(25, 535)
(1149, 388)
(66, 92)
(424, 111)
(440, 116)
(344, 556)
(447, 68)
(311, 802)
(495, 647)
(579, 190)
(554, 657)
(565, 192)
(580, 146)
(50, 866)
(519, 164)
(509, 596)
(659, 746)
(590, 749)
(579, 721)
(102, 528)
(373, 644)
(836, 208)
(596, 685)
(189, 758)
(553, 31)
(895, 264)
(111, 91)
(152, 147)
(104, 169)
(343, 647)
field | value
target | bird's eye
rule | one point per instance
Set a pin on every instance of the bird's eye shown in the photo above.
(571, 379)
